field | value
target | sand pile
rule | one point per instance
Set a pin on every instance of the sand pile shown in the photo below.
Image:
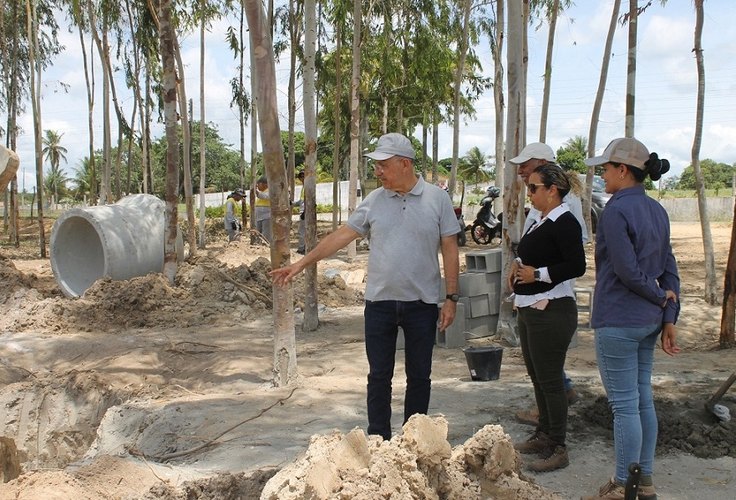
(222, 286)
(419, 463)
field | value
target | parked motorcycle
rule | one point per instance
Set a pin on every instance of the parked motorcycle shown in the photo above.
(486, 225)
(461, 238)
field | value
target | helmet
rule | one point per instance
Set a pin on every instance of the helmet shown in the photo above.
(493, 192)
(239, 192)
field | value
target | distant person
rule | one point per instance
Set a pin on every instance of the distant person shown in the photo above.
(263, 209)
(550, 255)
(532, 156)
(403, 283)
(636, 300)
(233, 225)
(302, 224)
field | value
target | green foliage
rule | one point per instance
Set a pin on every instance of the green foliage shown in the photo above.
(572, 155)
(715, 175)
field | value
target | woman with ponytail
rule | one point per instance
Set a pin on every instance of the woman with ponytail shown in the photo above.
(635, 302)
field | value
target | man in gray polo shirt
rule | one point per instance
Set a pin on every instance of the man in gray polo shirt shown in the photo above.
(409, 221)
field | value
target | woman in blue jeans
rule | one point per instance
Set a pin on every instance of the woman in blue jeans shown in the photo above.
(636, 274)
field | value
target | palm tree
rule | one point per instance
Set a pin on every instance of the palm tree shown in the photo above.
(84, 178)
(54, 152)
(474, 166)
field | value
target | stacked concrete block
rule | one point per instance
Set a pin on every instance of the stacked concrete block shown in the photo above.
(480, 290)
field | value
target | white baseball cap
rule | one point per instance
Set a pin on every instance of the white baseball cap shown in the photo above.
(392, 144)
(538, 150)
(626, 150)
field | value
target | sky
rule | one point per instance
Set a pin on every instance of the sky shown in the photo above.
(666, 87)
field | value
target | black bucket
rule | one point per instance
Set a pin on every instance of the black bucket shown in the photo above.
(484, 362)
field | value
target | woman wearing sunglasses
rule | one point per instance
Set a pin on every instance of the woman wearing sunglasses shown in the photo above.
(549, 254)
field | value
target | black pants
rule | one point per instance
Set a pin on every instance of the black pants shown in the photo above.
(382, 321)
(545, 336)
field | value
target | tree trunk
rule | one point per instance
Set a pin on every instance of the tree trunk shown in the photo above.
(202, 152)
(273, 158)
(167, 36)
(548, 70)
(336, 126)
(728, 310)
(631, 73)
(291, 154)
(595, 117)
(186, 133)
(355, 117)
(498, 98)
(33, 51)
(462, 52)
(253, 138)
(89, 80)
(512, 189)
(710, 265)
(311, 313)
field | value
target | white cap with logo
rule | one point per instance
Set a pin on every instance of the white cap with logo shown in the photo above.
(537, 150)
(392, 144)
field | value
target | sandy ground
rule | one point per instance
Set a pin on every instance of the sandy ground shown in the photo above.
(142, 390)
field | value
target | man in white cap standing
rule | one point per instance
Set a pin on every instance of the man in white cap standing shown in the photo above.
(532, 156)
(409, 221)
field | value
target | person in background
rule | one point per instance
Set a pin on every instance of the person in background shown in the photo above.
(403, 282)
(232, 224)
(302, 224)
(636, 301)
(532, 156)
(263, 209)
(550, 254)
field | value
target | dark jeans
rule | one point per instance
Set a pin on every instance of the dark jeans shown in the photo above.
(545, 336)
(382, 322)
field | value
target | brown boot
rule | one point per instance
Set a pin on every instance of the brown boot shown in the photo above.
(537, 443)
(555, 458)
(609, 491)
(528, 417)
(646, 492)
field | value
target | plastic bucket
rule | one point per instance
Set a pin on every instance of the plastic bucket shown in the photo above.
(484, 362)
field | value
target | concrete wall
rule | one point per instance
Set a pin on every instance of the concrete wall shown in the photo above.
(324, 195)
(686, 209)
(679, 209)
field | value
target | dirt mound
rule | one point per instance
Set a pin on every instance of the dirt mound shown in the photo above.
(209, 289)
(418, 464)
(682, 427)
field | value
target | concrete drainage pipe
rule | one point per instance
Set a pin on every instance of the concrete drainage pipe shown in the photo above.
(120, 241)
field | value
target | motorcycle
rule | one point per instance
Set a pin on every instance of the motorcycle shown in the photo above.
(486, 225)
(461, 238)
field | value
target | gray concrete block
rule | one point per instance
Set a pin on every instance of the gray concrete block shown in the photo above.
(470, 284)
(483, 326)
(484, 261)
(454, 336)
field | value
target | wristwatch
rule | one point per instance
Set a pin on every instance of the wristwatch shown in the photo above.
(537, 275)
(453, 297)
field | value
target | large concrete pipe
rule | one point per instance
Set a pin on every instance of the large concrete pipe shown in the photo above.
(119, 241)
(9, 162)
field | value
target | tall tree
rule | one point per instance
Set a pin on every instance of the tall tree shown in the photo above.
(169, 90)
(633, 20)
(595, 116)
(355, 116)
(513, 188)
(462, 52)
(202, 150)
(35, 65)
(710, 265)
(311, 312)
(54, 152)
(552, 16)
(284, 358)
(498, 97)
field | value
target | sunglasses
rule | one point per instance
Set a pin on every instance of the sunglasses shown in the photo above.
(533, 187)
